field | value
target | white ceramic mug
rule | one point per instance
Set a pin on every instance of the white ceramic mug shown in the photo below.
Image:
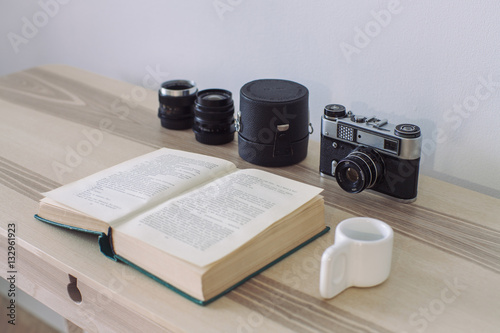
(360, 257)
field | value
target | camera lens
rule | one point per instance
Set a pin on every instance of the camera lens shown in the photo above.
(361, 169)
(214, 117)
(177, 103)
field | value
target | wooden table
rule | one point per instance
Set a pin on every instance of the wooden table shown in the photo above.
(59, 124)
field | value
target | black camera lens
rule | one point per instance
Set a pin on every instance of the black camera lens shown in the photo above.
(214, 117)
(361, 169)
(177, 103)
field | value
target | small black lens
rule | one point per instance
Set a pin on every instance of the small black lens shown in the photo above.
(214, 117)
(361, 169)
(176, 99)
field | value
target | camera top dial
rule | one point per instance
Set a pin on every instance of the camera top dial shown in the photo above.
(407, 131)
(335, 111)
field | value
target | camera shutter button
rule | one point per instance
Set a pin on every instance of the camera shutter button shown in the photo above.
(358, 119)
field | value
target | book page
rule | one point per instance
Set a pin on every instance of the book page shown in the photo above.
(204, 225)
(139, 183)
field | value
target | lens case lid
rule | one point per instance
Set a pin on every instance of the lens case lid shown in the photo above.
(267, 103)
(273, 91)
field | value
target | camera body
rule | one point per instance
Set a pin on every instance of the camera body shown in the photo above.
(370, 153)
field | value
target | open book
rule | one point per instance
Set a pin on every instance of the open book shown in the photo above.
(195, 223)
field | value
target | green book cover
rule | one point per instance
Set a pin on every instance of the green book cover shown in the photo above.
(107, 249)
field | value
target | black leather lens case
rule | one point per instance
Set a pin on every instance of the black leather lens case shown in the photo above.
(273, 122)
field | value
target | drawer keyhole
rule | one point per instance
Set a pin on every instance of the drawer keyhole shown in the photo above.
(73, 291)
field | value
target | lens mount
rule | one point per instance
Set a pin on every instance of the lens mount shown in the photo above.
(361, 169)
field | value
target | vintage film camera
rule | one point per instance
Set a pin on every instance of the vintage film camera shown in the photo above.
(370, 153)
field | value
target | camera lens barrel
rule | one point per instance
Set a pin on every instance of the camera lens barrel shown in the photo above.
(359, 170)
(176, 109)
(214, 117)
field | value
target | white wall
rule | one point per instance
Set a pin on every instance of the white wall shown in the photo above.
(426, 62)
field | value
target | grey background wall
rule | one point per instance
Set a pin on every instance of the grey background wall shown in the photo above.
(433, 63)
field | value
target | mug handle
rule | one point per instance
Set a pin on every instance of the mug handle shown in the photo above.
(334, 273)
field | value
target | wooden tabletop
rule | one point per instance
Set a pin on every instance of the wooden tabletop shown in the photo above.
(59, 124)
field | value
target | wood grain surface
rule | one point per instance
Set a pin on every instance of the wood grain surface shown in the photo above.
(28, 323)
(59, 124)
